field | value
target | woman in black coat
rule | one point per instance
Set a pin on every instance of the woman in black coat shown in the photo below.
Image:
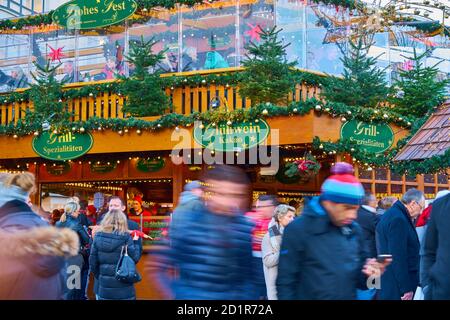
(109, 241)
(70, 220)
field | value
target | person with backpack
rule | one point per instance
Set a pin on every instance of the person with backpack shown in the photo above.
(112, 241)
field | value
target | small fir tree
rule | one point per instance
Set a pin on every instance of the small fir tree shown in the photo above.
(417, 90)
(144, 88)
(362, 83)
(267, 77)
(46, 95)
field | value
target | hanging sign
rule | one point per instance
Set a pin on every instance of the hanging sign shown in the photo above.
(103, 167)
(91, 14)
(235, 137)
(150, 165)
(372, 137)
(58, 169)
(65, 146)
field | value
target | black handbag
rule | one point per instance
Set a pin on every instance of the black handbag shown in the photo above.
(126, 268)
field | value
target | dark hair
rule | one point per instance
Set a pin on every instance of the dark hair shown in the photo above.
(83, 205)
(226, 173)
(368, 197)
(293, 203)
(269, 197)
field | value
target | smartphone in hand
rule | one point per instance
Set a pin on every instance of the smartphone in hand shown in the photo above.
(381, 258)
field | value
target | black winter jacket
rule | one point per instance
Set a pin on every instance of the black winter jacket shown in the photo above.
(319, 260)
(368, 222)
(436, 260)
(396, 235)
(105, 254)
(75, 225)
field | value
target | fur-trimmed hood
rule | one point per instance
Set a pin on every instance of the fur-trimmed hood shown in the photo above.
(46, 241)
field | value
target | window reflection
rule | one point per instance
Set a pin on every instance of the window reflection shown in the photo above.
(163, 28)
(210, 36)
(254, 17)
(14, 61)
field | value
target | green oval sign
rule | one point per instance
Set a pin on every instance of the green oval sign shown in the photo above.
(372, 137)
(91, 14)
(235, 137)
(66, 146)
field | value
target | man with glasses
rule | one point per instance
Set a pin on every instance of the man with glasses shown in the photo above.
(261, 217)
(396, 235)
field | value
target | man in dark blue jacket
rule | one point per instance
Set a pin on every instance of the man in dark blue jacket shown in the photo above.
(368, 219)
(323, 255)
(396, 235)
(436, 260)
(211, 249)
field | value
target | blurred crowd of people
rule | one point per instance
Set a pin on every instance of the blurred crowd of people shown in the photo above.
(344, 245)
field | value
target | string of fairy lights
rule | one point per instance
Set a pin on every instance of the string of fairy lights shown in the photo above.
(288, 153)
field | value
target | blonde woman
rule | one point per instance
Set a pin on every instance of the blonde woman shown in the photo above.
(271, 244)
(109, 239)
(70, 220)
(32, 254)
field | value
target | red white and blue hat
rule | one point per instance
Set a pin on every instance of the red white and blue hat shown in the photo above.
(342, 186)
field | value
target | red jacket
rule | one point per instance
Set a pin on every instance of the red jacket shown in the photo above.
(260, 229)
(424, 217)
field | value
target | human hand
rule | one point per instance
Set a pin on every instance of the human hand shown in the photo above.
(375, 268)
(408, 296)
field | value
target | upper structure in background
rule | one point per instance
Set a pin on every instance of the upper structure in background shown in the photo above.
(433, 139)
(215, 34)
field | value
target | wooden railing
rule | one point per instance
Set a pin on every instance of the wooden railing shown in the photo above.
(185, 100)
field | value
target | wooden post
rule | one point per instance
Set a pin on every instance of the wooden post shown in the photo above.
(420, 182)
(177, 183)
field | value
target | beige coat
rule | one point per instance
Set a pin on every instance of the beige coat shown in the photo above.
(270, 249)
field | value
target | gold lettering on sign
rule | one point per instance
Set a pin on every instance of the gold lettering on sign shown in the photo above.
(114, 6)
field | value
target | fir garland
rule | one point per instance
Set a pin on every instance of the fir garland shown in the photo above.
(227, 79)
(46, 19)
(386, 159)
(172, 120)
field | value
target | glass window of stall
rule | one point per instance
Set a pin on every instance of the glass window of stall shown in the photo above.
(401, 49)
(45, 45)
(162, 25)
(290, 17)
(253, 16)
(15, 61)
(101, 54)
(328, 28)
(209, 36)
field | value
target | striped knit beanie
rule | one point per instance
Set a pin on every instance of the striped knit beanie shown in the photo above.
(342, 186)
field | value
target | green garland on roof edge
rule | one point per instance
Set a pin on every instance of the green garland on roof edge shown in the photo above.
(230, 79)
(46, 19)
(386, 159)
(171, 120)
